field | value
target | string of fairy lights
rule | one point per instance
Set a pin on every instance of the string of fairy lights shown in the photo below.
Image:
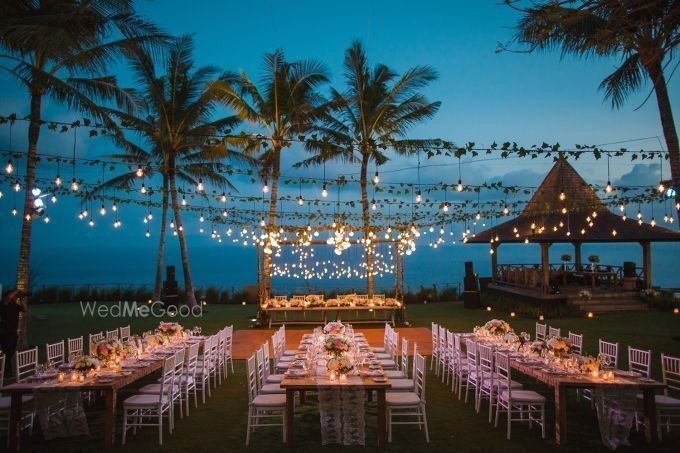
(442, 211)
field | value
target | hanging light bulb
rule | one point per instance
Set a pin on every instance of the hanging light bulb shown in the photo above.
(9, 168)
(506, 210)
(140, 172)
(102, 210)
(14, 211)
(53, 199)
(373, 205)
(609, 187)
(17, 186)
(184, 200)
(563, 196)
(478, 215)
(262, 222)
(223, 197)
(172, 224)
(225, 213)
(149, 216)
(143, 189)
(201, 218)
(300, 200)
(622, 207)
(74, 185)
(324, 192)
(199, 186)
(57, 181)
(661, 187)
(376, 178)
(459, 186)
(148, 233)
(639, 215)
(419, 196)
(445, 208)
(652, 222)
(564, 210)
(46, 219)
(91, 223)
(665, 218)
(265, 188)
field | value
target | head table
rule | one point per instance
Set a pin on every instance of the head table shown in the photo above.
(562, 374)
(367, 375)
(104, 381)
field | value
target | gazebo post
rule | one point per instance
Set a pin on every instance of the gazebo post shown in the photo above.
(577, 256)
(494, 261)
(647, 262)
(545, 266)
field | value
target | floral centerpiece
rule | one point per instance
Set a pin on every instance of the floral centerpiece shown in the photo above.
(108, 350)
(560, 347)
(537, 346)
(152, 340)
(497, 327)
(336, 345)
(590, 364)
(86, 363)
(169, 329)
(334, 328)
(341, 365)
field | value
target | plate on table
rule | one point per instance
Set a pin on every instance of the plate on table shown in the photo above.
(105, 380)
(380, 379)
(296, 373)
(623, 373)
(646, 379)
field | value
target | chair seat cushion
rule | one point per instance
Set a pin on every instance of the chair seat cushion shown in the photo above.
(388, 364)
(383, 356)
(513, 384)
(377, 350)
(150, 389)
(271, 400)
(290, 352)
(272, 388)
(283, 365)
(274, 378)
(663, 400)
(401, 384)
(524, 396)
(286, 358)
(6, 401)
(401, 399)
(144, 400)
(395, 374)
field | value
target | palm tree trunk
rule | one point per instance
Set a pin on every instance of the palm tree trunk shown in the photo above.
(160, 253)
(365, 213)
(184, 251)
(23, 265)
(271, 225)
(668, 125)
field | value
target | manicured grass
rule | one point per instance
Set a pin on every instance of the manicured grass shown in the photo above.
(220, 424)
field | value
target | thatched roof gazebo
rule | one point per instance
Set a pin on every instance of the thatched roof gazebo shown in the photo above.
(565, 209)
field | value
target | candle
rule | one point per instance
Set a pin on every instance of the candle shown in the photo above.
(81, 378)
(74, 376)
(594, 373)
(332, 376)
(60, 377)
(343, 377)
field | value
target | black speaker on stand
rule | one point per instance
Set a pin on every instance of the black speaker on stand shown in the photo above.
(170, 293)
(471, 297)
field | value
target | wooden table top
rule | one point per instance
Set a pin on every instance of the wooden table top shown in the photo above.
(327, 308)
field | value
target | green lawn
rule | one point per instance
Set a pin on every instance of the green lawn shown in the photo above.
(220, 424)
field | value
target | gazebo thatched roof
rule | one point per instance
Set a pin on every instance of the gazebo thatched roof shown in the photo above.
(543, 219)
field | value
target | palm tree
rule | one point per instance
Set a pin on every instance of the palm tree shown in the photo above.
(60, 50)
(176, 120)
(642, 33)
(285, 104)
(374, 112)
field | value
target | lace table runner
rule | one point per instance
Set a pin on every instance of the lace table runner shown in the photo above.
(342, 415)
(615, 414)
(61, 414)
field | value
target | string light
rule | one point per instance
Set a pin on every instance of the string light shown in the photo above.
(143, 189)
(608, 188)
(17, 186)
(376, 178)
(102, 210)
(74, 185)
(265, 188)
(324, 191)
(419, 196)
(57, 181)
(199, 186)
(140, 172)
(223, 198)
(9, 168)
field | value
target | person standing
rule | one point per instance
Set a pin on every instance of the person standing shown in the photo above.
(9, 324)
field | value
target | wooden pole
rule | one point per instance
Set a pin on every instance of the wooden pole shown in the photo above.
(647, 263)
(545, 266)
(577, 256)
(494, 262)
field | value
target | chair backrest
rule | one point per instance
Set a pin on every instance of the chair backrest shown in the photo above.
(75, 347)
(450, 346)
(640, 361)
(252, 378)
(554, 332)
(485, 360)
(541, 330)
(259, 358)
(404, 356)
(576, 341)
(221, 345)
(471, 353)
(215, 346)
(179, 361)
(456, 346)
(112, 334)
(168, 379)
(394, 345)
(207, 353)
(55, 352)
(229, 341)
(435, 338)
(670, 369)
(419, 376)
(265, 360)
(94, 339)
(276, 348)
(503, 374)
(26, 362)
(192, 360)
(125, 332)
(609, 350)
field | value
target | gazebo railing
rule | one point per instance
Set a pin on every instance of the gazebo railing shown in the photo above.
(528, 275)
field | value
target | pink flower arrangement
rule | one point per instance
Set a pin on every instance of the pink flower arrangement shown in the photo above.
(108, 350)
(334, 328)
(336, 345)
(169, 329)
(497, 327)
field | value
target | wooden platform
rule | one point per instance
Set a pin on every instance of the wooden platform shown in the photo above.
(247, 341)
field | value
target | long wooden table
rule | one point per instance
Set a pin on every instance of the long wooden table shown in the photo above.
(108, 389)
(561, 383)
(389, 312)
(303, 384)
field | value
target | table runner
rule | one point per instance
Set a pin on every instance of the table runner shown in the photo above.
(342, 415)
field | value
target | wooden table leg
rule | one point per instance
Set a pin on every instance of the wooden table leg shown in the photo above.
(651, 422)
(15, 423)
(382, 419)
(290, 408)
(560, 415)
(110, 418)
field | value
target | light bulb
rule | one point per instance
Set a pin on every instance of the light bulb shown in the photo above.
(639, 215)
(265, 188)
(199, 186)
(459, 186)
(114, 208)
(262, 222)
(74, 185)
(148, 233)
(506, 210)
(324, 192)
(184, 200)
(376, 178)
(622, 207)
(91, 223)
(150, 216)
(225, 213)
(614, 233)
(140, 172)
(201, 218)
(419, 197)
(57, 181)
(85, 213)
(46, 219)
(14, 211)
(224, 197)
(652, 222)
(1, 194)
(143, 189)
(478, 216)
(9, 168)
(373, 205)
(53, 199)
(17, 186)
(665, 218)
(172, 224)
(661, 187)
(102, 210)
(609, 188)
(300, 200)
(563, 196)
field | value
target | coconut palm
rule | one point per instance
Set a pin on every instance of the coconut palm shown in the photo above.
(177, 120)
(59, 50)
(373, 114)
(283, 105)
(641, 33)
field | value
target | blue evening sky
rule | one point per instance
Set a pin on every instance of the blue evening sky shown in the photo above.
(486, 96)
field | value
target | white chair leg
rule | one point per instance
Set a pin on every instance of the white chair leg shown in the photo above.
(160, 429)
(125, 417)
(250, 410)
(509, 418)
(427, 432)
(543, 422)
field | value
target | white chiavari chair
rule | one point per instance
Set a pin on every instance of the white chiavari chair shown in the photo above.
(541, 331)
(176, 395)
(610, 351)
(668, 407)
(451, 360)
(25, 364)
(471, 378)
(263, 410)
(554, 332)
(149, 410)
(488, 379)
(229, 350)
(6, 403)
(75, 347)
(640, 361)
(187, 380)
(94, 338)
(409, 407)
(204, 366)
(383, 348)
(576, 341)
(405, 384)
(402, 371)
(435, 344)
(265, 388)
(268, 377)
(112, 334)
(441, 354)
(460, 363)
(219, 357)
(527, 403)
(125, 333)
(55, 353)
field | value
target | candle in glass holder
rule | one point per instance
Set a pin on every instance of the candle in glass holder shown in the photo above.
(332, 376)
(74, 376)
(594, 373)
(81, 378)
(60, 377)
(343, 377)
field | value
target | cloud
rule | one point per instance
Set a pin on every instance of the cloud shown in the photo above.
(640, 175)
